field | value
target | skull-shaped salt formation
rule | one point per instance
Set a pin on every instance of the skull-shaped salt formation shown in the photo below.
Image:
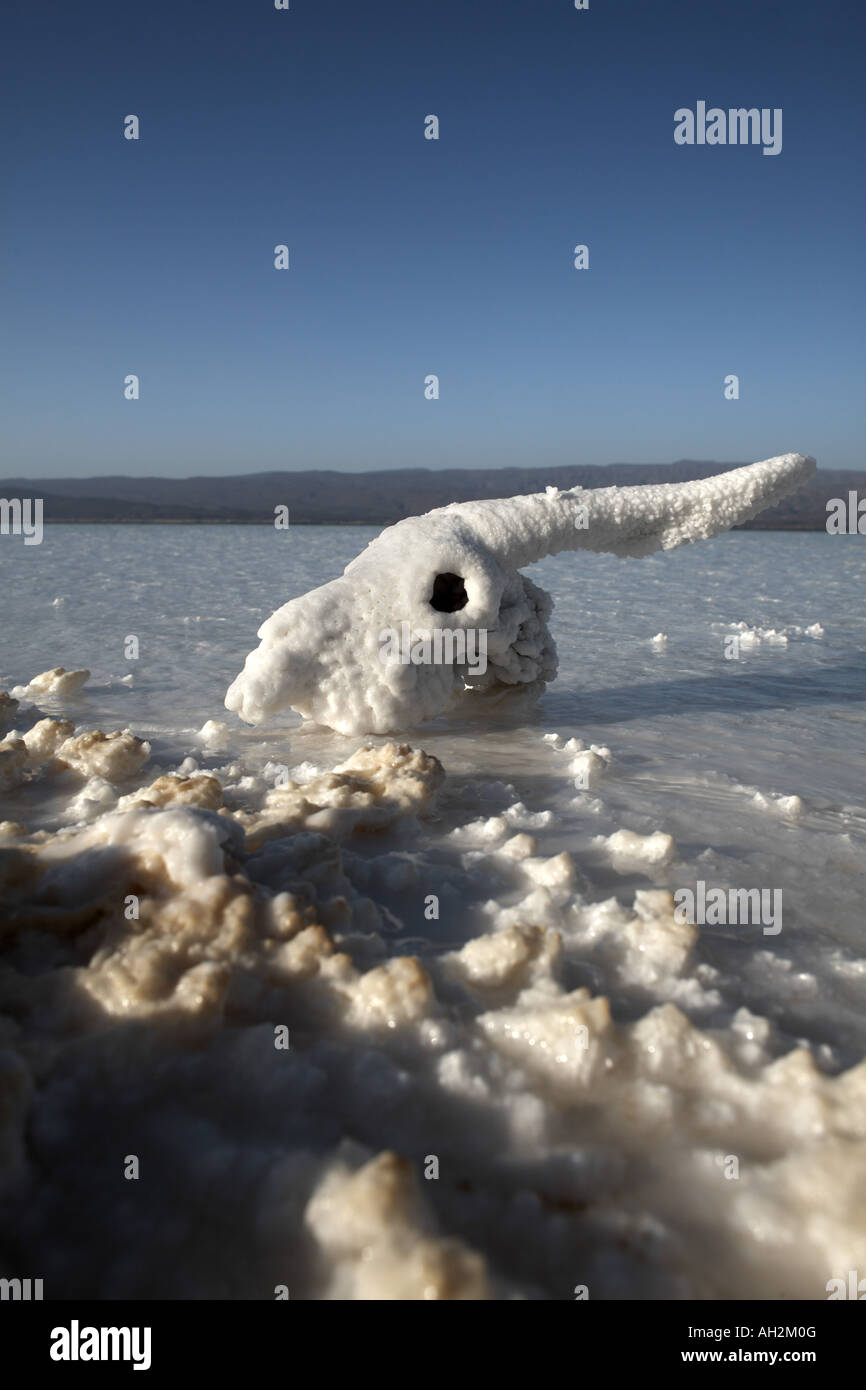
(330, 653)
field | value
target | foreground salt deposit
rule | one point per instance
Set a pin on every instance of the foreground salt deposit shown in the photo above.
(456, 571)
(200, 975)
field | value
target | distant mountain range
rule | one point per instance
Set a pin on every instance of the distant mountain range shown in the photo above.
(377, 499)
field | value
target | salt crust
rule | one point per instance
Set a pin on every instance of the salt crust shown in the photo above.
(572, 1146)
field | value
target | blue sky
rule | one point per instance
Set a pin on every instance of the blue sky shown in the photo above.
(411, 257)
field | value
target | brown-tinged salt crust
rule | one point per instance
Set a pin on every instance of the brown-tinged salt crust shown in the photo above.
(56, 684)
(13, 762)
(46, 736)
(51, 747)
(113, 757)
(176, 789)
(8, 709)
(150, 956)
(370, 791)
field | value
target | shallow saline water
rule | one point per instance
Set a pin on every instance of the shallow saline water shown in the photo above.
(705, 1137)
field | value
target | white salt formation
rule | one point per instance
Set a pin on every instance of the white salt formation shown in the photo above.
(213, 735)
(56, 684)
(457, 568)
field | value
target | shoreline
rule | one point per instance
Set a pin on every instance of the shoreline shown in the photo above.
(269, 521)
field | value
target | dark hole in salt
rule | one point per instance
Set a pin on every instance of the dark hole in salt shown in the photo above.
(449, 593)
